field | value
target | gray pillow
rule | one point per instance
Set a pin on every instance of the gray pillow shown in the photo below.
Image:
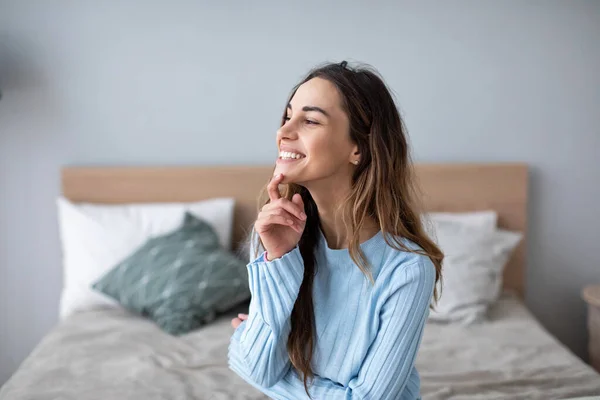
(180, 280)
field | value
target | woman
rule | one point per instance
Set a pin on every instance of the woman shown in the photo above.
(342, 290)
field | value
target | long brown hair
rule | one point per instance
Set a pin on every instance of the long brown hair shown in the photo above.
(383, 189)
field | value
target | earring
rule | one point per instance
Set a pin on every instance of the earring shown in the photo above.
(355, 162)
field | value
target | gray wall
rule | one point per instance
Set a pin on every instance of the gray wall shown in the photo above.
(138, 82)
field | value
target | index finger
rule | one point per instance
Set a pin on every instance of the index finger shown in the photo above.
(273, 187)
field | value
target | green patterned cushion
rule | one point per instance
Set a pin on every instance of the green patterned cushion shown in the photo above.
(180, 280)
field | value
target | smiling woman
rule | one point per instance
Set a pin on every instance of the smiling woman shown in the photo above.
(342, 291)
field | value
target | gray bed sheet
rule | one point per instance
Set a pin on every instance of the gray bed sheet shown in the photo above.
(111, 354)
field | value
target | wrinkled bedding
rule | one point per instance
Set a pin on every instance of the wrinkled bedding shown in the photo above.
(111, 354)
(510, 356)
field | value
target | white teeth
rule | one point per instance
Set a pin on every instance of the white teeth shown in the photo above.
(287, 154)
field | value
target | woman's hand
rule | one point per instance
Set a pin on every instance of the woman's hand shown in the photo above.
(237, 321)
(281, 222)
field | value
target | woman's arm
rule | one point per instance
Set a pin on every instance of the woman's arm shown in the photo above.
(387, 367)
(258, 347)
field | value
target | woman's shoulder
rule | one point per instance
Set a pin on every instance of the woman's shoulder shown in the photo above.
(408, 257)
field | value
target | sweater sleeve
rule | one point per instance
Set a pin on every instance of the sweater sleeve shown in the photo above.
(258, 348)
(386, 371)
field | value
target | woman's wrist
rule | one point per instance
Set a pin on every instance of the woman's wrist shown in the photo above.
(267, 256)
(273, 255)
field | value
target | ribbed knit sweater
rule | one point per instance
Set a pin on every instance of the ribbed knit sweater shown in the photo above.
(367, 336)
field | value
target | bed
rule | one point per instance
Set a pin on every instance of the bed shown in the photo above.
(111, 353)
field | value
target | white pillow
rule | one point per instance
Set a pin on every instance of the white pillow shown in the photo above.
(95, 237)
(483, 220)
(472, 270)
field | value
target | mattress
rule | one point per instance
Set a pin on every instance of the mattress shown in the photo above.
(111, 354)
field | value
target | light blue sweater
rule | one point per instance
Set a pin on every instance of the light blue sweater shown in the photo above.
(367, 335)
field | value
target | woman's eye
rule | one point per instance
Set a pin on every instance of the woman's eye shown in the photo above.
(311, 122)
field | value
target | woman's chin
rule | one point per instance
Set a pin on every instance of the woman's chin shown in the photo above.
(288, 176)
(285, 170)
(292, 172)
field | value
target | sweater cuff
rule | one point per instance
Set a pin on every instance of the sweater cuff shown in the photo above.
(275, 285)
(261, 258)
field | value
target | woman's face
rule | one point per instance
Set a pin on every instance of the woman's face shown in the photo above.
(317, 131)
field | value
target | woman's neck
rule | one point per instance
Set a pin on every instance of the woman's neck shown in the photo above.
(327, 200)
(336, 235)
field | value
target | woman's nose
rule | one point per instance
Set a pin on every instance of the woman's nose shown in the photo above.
(286, 132)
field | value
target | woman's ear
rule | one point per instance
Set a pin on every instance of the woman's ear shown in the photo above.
(355, 157)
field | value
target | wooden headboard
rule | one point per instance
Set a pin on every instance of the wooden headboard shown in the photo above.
(446, 187)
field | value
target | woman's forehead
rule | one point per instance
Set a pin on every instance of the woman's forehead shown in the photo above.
(317, 92)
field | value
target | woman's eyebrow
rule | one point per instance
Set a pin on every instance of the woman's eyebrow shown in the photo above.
(311, 108)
